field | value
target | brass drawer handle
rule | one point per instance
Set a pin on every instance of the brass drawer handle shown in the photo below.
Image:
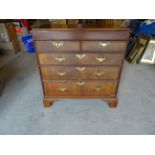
(80, 83)
(57, 44)
(101, 59)
(60, 59)
(98, 89)
(80, 56)
(61, 73)
(103, 44)
(99, 73)
(62, 89)
(80, 69)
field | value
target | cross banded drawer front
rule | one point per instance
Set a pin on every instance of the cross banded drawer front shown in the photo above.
(99, 88)
(61, 88)
(77, 88)
(85, 34)
(80, 63)
(88, 59)
(104, 46)
(79, 72)
(57, 46)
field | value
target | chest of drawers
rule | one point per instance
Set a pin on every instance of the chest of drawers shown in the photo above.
(80, 63)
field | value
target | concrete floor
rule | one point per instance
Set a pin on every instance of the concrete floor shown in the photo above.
(22, 112)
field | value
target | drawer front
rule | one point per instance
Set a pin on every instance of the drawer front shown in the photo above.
(57, 46)
(61, 88)
(83, 34)
(80, 59)
(78, 88)
(79, 72)
(105, 88)
(108, 46)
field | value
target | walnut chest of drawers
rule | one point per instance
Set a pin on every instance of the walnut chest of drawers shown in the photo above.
(80, 63)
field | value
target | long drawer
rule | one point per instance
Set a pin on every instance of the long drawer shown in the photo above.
(83, 34)
(108, 46)
(78, 88)
(79, 72)
(57, 46)
(80, 59)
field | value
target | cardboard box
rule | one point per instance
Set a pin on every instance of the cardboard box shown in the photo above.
(22, 46)
(2, 83)
(7, 69)
(72, 21)
(21, 31)
(10, 47)
(118, 23)
(7, 32)
(57, 21)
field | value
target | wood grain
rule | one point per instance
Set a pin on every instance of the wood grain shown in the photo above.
(85, 73)
(72, 88)
(50, 46)
(81, 34)
(110, 46)
(80, 63)
(72, 59)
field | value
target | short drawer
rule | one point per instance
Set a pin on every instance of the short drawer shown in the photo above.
(105, 88)
(61, 88)
(80, 59)
(107, 46)
(56, 46)
(79, 72)
(78, 88)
